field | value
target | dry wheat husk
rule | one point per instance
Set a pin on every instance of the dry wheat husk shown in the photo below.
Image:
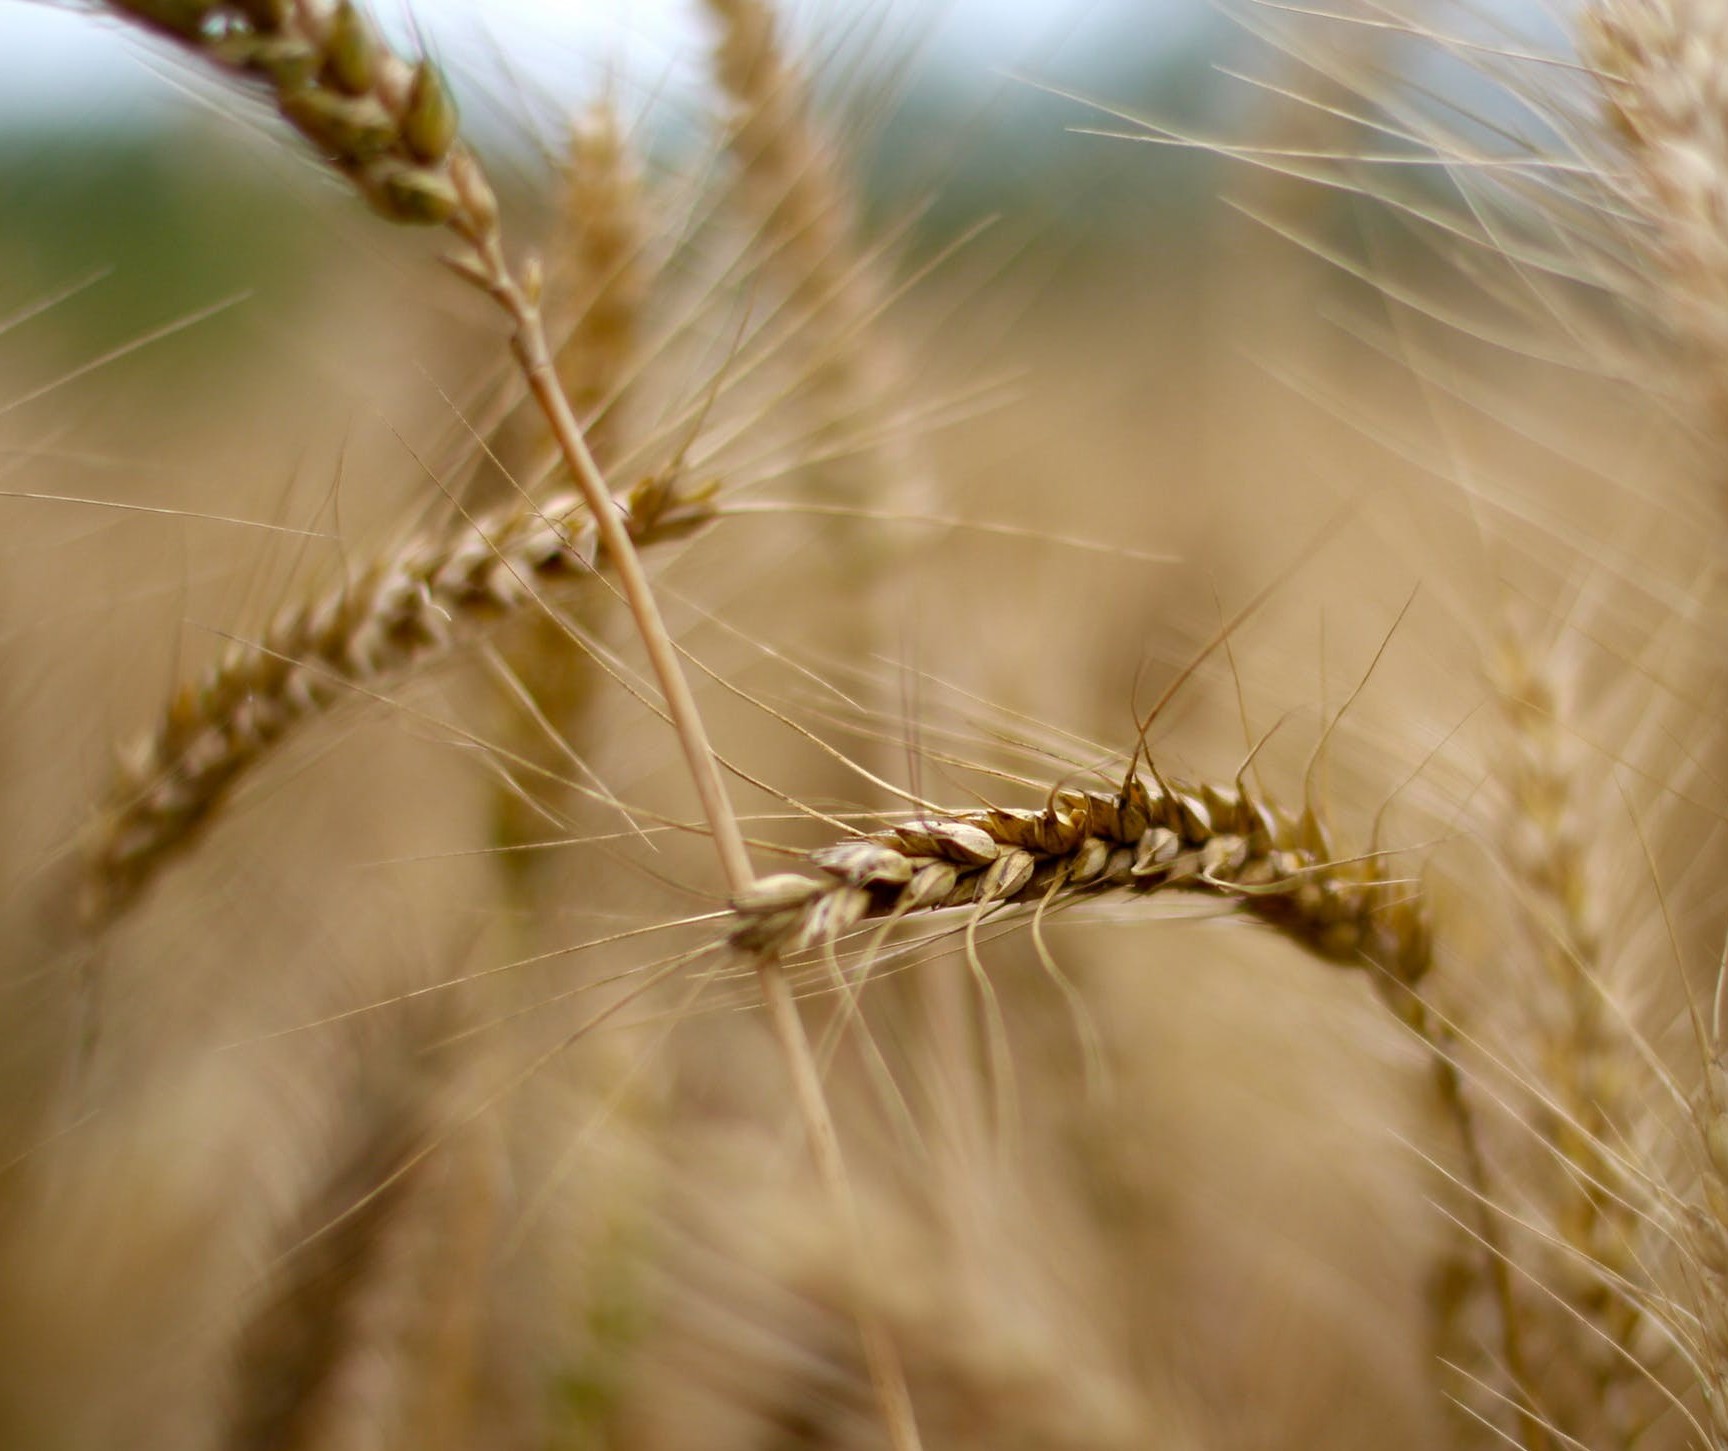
(794, 190)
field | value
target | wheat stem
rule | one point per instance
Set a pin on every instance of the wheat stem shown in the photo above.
(881, 1357)
(886, 1372)
(528, 342)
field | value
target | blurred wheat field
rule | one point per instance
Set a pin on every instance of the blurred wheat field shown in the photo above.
(385, 1055)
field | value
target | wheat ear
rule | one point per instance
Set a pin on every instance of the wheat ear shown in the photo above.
(323, 1350)
(1663, 69)
(597, 287)
(795, 191)
(602, 280)
(1150, 836)
(1153, 836)
(599, 280)
(1547, 847)
(400, 612)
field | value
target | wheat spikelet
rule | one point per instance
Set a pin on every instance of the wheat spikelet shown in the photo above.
(1148, 837)
(387, 125)
(404, 610)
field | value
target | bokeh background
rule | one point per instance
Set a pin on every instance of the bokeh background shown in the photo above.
(1160, 378)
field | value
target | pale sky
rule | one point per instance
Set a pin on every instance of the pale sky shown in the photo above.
(69, 65)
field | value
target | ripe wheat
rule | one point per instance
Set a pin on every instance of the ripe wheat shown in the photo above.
(1619, 1247)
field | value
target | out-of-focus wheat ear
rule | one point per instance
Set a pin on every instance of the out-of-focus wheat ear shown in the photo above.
(795, 192)
(363, 1335)
(598, 283)
(409, 608)
(600, 272)
(600, 277)
(1553, 821)
(1663, 69)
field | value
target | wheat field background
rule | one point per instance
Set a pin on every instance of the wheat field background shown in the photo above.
(397, 1075)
